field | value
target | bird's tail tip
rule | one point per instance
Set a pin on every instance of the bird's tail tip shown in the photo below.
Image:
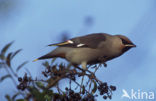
(52, 45)
(35, 60)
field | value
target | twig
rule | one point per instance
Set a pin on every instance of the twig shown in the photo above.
(90, 85)
(80, 86)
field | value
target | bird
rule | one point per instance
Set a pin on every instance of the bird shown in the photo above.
(90, 49)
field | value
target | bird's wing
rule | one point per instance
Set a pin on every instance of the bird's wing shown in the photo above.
(66, 43)
(91, 41)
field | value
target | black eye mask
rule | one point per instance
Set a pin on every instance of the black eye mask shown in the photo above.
(125, 42)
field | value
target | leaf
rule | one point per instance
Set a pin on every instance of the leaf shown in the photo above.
(15, 95)
(8, 59)
(21, 65)
(4, 77)
(2, 56)
(1, 64)
(6, 47)
(83, 89)
(8, 97)
(33, 90)
(53, 60)
(20, 100)
(40, 85)
(69, 65)
(95, 87)
(46, 64)
(15, 53)
(47, 98)
(49, 92)
(36, 94)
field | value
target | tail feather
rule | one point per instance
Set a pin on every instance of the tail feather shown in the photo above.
(58, 52)
(47, 56)
(35, 60)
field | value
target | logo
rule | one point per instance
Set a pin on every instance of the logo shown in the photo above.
(137, 94)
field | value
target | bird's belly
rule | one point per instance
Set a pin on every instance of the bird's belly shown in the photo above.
(79, 55)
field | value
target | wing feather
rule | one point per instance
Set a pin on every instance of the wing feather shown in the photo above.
(91, 41)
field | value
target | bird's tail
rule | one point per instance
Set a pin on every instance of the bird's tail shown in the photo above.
(47, 56)
(59, 52)
(35, 60)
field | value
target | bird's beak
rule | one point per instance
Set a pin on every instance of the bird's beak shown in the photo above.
(130, 45)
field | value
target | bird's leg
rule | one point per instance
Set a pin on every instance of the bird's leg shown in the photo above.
(84, 65)
(103, 60)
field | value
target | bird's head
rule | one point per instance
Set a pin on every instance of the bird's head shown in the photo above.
(126, 43)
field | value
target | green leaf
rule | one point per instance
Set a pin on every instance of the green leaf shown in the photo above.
(7, 97)
(6, 47)
(15, 53)
(33, 90)
(46, 64)
(36, 94)
(40, 85)
(8, 59)
(21, 100)
(21, 65)
(95, 87)
(4, 77)
(47, 98)
(83, 89)
(49, 92)
(53, 60)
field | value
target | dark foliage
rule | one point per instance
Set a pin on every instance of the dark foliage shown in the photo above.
(87, 89)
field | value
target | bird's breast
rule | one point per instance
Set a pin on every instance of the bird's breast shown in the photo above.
(79, 55)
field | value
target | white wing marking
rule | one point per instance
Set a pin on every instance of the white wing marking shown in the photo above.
(70, 41)
(80, 45)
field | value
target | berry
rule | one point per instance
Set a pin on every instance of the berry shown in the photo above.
(20, 79)
(113, 88)
(105, 97)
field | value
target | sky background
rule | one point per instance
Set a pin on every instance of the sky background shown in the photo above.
(33, 24)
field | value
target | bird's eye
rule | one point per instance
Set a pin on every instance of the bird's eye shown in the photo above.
(124, 41)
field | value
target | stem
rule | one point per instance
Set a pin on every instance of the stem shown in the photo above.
(80, 86)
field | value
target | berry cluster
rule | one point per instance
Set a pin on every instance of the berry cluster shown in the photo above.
(55, 73)
(71, 76)
(106, 90)
(74, 96)
(23, 82)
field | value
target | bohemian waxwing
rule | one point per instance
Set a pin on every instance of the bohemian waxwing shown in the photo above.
(90, 49)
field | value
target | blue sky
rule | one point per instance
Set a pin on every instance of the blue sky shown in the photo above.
(33, 24)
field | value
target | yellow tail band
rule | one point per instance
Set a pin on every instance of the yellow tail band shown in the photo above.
(35, 60)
